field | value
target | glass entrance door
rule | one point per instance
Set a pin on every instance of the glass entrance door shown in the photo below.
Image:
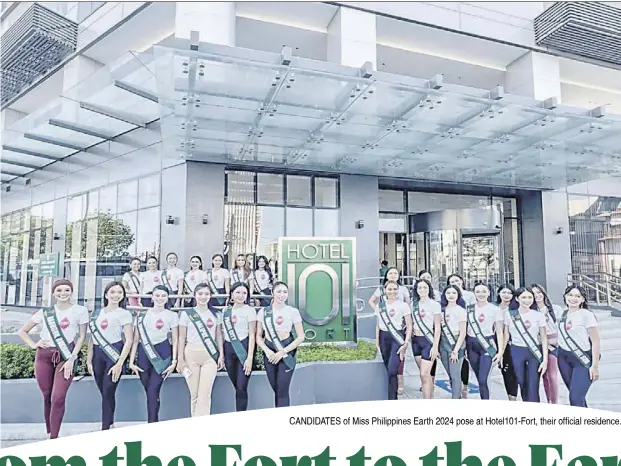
(481, 259)
(392, 248)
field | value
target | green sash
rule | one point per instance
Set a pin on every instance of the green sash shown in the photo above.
(104, 344)
(235, 273)
(165, 280)
(270, 328)
(135, 281)
(531, 343)
(426, 331)
(159, 364)
(208, 341)
(449, 339)
(214, 288)
(58, 338)
(186, 286)
(383, 313)
(478, 332)
(582, 356)
(229, 328)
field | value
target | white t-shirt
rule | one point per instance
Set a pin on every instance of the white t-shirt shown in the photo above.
(241, 318)
(158, 324)
(211, 322)
(195, 277)
(132, 283)
(551, 325)
(262, 279)
(402, 296)
(469, 297)
(219, 277)
(487, 316)
(69, 322)
(427, 311)
(110, 324)
(533, 321)
(577, 324)
(453, 316)
(284, 318)
(239, 276)
(396, 312)
(173, 275)
(150, 279)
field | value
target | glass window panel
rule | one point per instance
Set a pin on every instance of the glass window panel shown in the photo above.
(92, 203)
(15, 221)
(240, 229)
(272, 227)
(326, 192)
(326, 223)
(36, 214)
(148, 233)
(149, 191)
(121, 235)
(76, 209)
(107, 199)
(392, 223)
(507, 205)
(240, 187)
(299, 222)
(47, 213)
(391, 201)
(299, 190)
(127, 196)
(579, 206)
(270, 188)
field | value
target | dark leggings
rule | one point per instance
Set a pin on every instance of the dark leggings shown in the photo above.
(388, 348)
(508, 373)
(101, 366)
(576, 377)
(279, 375)
(527, 371)
(53, 386)
(235, 369)
(481, 364)
(465, 371)
(151, 380)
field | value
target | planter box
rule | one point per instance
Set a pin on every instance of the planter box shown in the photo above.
(313, 383)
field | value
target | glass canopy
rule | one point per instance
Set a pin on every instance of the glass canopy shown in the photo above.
(246, 107)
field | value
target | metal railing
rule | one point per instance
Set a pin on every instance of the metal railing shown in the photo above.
(183, 297)
(598, 291)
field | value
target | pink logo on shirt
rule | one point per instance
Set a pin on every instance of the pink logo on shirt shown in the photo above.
(279, 320)
(156, 279)
(192, 278)
(422, 313)
(527, 324)
(447, 318)
(234, 319)
(168, 276)
(159, 324)
(482, 318)
(569, 325)
(263, 276)
(209, 323)
(65, 323)
(104, 324)
(391, 313)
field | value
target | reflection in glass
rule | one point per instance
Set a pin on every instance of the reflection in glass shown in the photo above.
(270, 188)
(148, 233)
(299, 222)
(481, 260)
(240, 187)
(391, 201)
(326, 223)
(127, 196)
(442, 254)
(107, 199)
(148, 191)
(299, 190)
(326, 192)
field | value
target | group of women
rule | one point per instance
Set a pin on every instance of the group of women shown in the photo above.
(522, 333)
(155, 341)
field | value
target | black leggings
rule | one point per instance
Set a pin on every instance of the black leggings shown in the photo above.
(465, 371)
(279, 375)
(235, 369)
(508, 373)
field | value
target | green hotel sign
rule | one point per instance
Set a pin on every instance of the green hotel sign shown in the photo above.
(49, 264)
(321, 275)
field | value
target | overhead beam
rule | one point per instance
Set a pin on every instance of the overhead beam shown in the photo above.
(140, 92)
(53, 141)
(80, 129)
(19, 150)
(114, 114)
(10, 173)
(21, 164)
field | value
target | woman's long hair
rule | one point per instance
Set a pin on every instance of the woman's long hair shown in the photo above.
(489, 290)
(448, 280)
(415, 294)
(234, 287)
(460, 299)
(267, 268)
(200, 260)
(504, 286)
(582, 292)
(108, 287)
(546, 300)
(515, 304)
(246, 268)
(398, 280)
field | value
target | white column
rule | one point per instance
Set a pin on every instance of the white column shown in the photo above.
(214, 21)
(77, 70)
(534, 75)
(352, 38)
(9, 116)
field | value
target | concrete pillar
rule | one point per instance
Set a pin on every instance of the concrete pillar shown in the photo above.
(77, 70)
(534, 75)
(172, 236)
(214, 21)
(8, 117)
(352, 38)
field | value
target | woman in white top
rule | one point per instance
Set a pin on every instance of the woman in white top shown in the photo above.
(552, 313)
(201, 350)
(484, 320)
(579, 346)
(172, 278)
(453, 327)
(156, 356)
(278, 345)
(131, 282)
(63, 330)
(241, 272)
(195, 276)
(504, 298)
(389, 335)
(239, 323)
(149, 279)
(526, 327)
(393, 274)
(426, 275)
(468, 297)
(262, 280)
(107, 352)
(427, 319)
(219, 280)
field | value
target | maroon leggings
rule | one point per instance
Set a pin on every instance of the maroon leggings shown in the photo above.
(53, 386)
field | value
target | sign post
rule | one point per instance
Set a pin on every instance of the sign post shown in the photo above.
(321, 276)
(49, 267)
